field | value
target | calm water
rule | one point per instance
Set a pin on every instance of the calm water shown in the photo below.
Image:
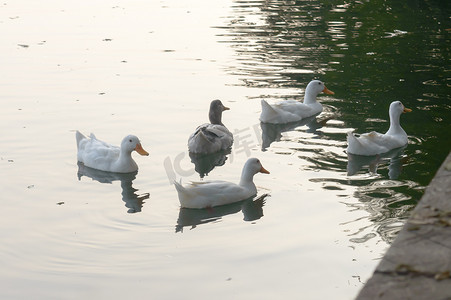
(151, 69)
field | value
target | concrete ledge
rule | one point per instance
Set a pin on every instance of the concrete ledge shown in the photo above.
(418, 263)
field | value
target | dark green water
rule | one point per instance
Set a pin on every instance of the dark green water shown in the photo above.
(369, 53)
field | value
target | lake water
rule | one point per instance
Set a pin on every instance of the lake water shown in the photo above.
(151, 68)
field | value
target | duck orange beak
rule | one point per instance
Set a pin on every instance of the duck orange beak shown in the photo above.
(140, 150)
(327, 91)
(263, 170)
(406, 110)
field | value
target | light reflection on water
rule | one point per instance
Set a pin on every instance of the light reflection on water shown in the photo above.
(318, 39)
(252, 210)
(315, 143)
(69, 238)
(133, 201)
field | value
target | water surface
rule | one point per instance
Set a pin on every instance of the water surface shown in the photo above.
(151, 69)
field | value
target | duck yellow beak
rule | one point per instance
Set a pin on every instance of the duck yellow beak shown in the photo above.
(327, 91)
(263, 170)
(406, 110)
(140, 150)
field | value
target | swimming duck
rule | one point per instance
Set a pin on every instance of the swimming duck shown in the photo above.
(376, 143)
(215, 193)
(291, 110)
(99, 155)
(213, 137)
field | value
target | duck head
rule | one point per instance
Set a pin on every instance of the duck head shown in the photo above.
(396, 109)
(131, 143)
(251, 167)
(254, 166)
(313, 89)
(316, 87)
(215, 113)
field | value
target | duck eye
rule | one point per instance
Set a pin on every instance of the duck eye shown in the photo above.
(130, 140)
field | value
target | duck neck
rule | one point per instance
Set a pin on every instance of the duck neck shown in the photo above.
(215, 118)
(395, 126)
(310, 97)
(125, 158)
(247, 179)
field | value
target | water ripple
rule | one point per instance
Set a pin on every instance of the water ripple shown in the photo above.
(281, 45)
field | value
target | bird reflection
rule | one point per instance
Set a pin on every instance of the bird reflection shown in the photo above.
(203, 164)
(133, 201)
(252, 210)
(273, 132)
(395, 156)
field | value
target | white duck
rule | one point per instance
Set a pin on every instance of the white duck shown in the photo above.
(215, 193)
(376, 143)
(99, 155)
(213, 137)
(291, 110)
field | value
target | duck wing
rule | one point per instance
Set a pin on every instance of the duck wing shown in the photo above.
(371, 143)
(286, 111)
(210, 138)
(210, 194)
(97, 154)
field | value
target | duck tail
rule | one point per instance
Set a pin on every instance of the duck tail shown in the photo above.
(268, 112)
(79, 136)
(351, 138)
(183, 194)
(178, 186)
(202, 135)
(354, 145)
(199, 141)
(181, 191)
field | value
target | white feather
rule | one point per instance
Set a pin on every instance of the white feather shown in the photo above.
(373, 143)
(215, 193)
(292, 111)
(99, 155)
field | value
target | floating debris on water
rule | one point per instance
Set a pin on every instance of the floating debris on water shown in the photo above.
(363, 239)
(395, 33)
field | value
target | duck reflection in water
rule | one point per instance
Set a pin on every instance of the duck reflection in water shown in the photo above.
(205, 163)
(133, 201)
(395, 156)
(273, 132)
(252, 210)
